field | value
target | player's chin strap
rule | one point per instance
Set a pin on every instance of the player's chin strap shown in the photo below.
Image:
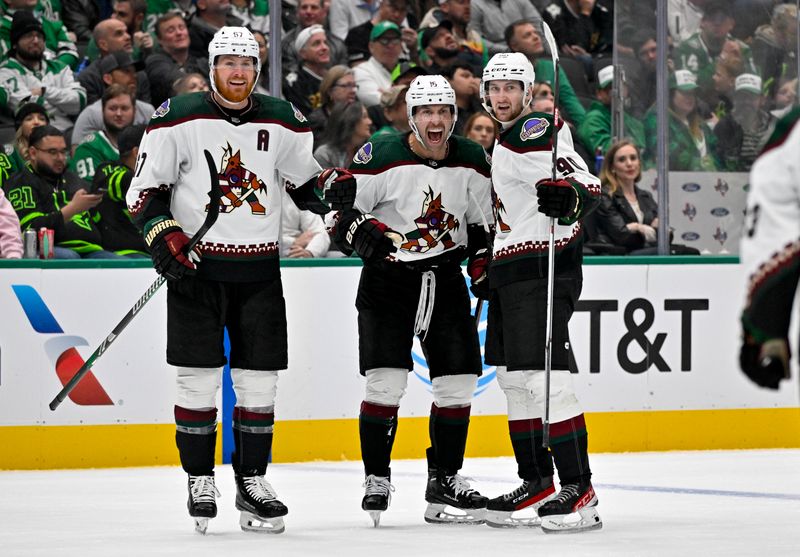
(427, 295)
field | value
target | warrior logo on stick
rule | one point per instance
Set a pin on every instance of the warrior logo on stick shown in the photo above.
(238, 184)
(433, 226)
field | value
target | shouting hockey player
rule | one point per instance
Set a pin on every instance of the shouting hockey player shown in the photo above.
(771, 256)
(515, 337)
(421, 208)
(237, 284)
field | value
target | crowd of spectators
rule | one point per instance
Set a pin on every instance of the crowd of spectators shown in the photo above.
(85, 71)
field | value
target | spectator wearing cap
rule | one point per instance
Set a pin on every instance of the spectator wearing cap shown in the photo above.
(113, 179)
(396, 11)
(700, 52)
(47, 195)
(595, 131)
(209, 17)
(523, 36)
(395, 113)
(117, 56)
(13, 157)
(458, 13)
(56, 41)
(116, 69)
(101, 146)
(774, 46)
(491, 18)
(310, 12)
(164, 68)
(692, 144)
(742, 134)
(338, 88)
(28, 76)
(301, 88)
(374, 76)
(467, 87)
(405, 72)
(344, 15)
(439, 48)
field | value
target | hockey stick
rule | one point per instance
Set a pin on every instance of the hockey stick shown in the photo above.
(551, 246)
(211, 217)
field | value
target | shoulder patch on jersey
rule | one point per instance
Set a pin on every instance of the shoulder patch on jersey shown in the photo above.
(364, 155)
(89, 137)
(161, 110)
(297, 114)
(533, 128)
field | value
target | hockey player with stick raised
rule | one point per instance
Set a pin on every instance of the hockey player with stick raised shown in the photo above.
(522, 169)
(237, 285)
(421, 208)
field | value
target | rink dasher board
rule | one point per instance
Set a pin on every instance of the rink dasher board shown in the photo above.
(689, 394)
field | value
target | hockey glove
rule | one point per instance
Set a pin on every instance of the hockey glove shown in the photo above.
(478, 269)
(167, 244)
(765, 364)
(557, 198)
(369, 238)
(338, 188)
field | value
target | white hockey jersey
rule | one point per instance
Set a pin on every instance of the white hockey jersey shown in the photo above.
(430, 203)
(269, 141)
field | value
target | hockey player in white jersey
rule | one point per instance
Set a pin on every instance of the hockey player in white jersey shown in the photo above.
(422, 204)
(236, 285)
(526, 197)
(770, 251)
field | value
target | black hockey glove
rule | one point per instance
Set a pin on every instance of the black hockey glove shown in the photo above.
(370, 239)
(167, 243)
(765, 364)
(478, 271)
(557, 198)
(338, 188)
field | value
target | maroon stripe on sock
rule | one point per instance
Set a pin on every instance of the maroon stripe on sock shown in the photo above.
(451, 413)
(567, 427)
(188, 416)
(242, 415)
(378, 411)
(524, 426)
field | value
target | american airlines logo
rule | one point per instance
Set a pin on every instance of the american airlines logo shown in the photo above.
(61, 348)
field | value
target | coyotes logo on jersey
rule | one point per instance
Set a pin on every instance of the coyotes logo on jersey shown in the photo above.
(499, 210)
(433, 226)
(239, 184)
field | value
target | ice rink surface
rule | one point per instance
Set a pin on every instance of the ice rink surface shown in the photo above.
(674, 503)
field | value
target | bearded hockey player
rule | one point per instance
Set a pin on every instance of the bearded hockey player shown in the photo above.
(237, 283)
(771, 256)
(421, 208)
(515, 339)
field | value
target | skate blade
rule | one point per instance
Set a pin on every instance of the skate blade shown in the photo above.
(253, 523)
(502, 519)
(201, 525)
(376, 518)
(588, 520)
(438, 513)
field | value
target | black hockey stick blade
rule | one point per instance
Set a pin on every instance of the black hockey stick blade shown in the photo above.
(478, 311)
(211, 218)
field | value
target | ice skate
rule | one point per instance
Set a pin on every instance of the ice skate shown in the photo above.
(453, 492)
(202, 502)
(575, 498)
(377, 497)
(500, 511)
(261, 510)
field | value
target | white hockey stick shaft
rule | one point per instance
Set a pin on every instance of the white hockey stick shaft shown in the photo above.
(551, 245)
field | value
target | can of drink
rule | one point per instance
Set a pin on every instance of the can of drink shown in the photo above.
(46, 237)
(30, 244)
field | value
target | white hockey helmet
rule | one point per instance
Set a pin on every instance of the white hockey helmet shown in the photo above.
(427, 90)
(510, 66)
(236, 41)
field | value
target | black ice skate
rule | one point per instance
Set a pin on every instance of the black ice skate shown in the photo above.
(202, 502)
(453, 491)
(377, 497)
(500, 511)
(573, 498)
(261, 510)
